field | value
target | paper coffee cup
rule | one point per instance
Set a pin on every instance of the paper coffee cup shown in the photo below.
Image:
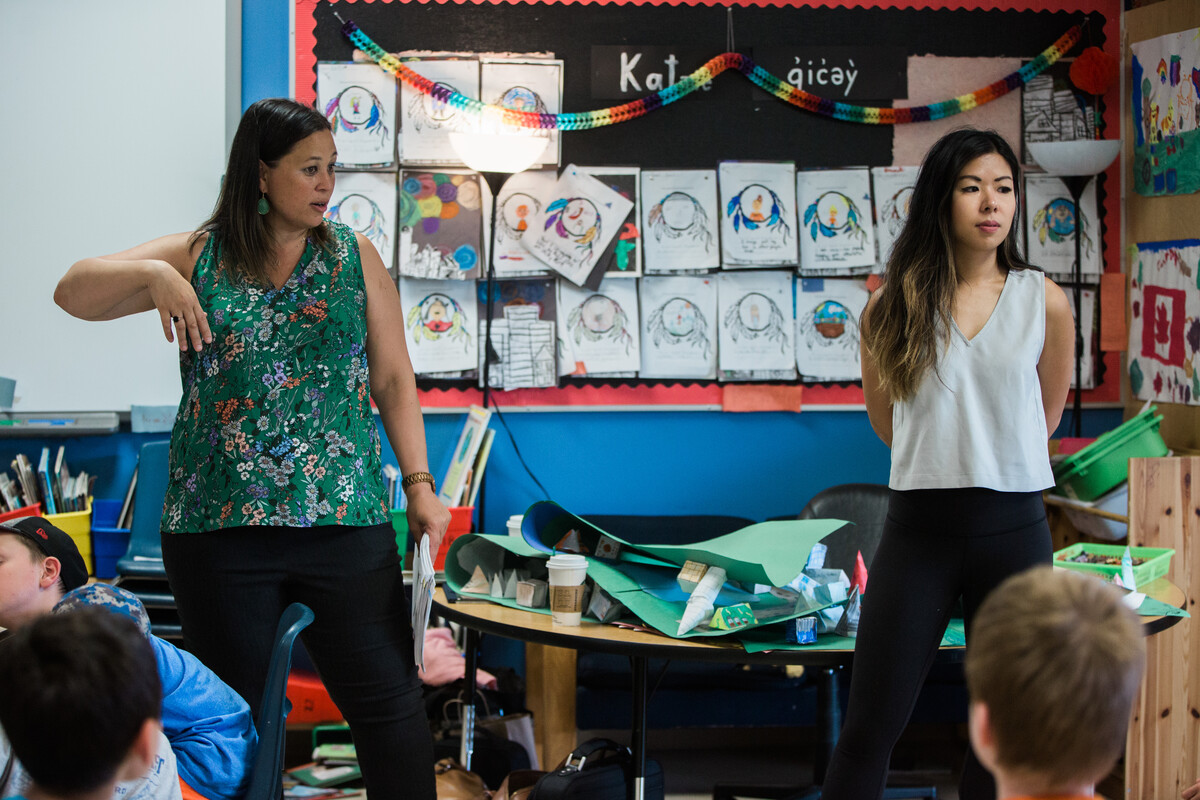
(567, 573)
(514, 525)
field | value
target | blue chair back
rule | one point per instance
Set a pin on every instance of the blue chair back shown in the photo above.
(266, 776)
(144, 556)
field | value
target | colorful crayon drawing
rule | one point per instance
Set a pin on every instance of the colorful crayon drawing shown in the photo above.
(441, 224)
(678, 322)
(1164, 333)
(756, 316)
(427, 111)
(515, 211)
(1166, 113)
(895, 211)
(830, 325)
(356, 108)
(755, 207)
(833, 215)
(521, 98)
(599, 319)
(680, 216)
(438, 317)
(577, 220)
(363, 215)
(1056, 221)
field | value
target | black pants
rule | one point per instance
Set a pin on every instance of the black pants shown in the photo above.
(937, 544)
(231, 587)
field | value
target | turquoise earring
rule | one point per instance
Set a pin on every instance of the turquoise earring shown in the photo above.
(263, 205)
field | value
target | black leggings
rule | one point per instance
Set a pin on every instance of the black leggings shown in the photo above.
(937, 544)
(231, 587)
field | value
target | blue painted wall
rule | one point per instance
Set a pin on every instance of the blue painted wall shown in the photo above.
(752, 465)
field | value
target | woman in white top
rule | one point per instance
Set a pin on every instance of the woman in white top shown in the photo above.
(966, 357)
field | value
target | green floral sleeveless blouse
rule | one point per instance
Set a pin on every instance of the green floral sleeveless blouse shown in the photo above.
(275, 424)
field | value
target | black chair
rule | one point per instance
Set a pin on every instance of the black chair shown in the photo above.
(140, 571)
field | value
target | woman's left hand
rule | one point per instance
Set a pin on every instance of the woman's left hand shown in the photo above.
(427, 516)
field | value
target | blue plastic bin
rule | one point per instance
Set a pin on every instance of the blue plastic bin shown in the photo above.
(109, 542)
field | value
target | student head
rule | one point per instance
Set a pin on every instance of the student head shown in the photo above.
(270, 129)
(913, 311)
(79, 701)
(39, 563)
(1054, 659)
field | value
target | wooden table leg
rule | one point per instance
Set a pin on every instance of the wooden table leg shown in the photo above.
(550, 695)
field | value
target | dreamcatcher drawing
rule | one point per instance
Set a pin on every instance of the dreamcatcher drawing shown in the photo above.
(755, 207)
(577, 220)
(679, 322)
(1056, 221)
(515, 213)
(356, 108)
(425, 110)
(833, 215)
(438, 317)
(363, 215)
(756, 316)
(680, 216)
(599, 319)
(895, 210)
(831, 325)
(521, 98)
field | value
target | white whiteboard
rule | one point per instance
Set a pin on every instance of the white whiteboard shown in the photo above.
(115, 130)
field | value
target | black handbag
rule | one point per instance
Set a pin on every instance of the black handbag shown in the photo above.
(599, 769)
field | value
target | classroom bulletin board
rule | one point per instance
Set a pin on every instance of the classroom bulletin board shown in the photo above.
(734, 119)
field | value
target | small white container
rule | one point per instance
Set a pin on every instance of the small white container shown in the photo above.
(567, 573)
(514, 525)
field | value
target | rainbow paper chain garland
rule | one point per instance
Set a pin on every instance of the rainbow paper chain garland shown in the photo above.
(868, 115)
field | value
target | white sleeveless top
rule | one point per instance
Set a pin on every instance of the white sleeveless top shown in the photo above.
(978, 420)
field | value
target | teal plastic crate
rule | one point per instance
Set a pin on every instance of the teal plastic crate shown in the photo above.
(1104, 464)
(1156, 565)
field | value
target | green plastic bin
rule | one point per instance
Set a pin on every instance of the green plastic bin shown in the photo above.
(1157, 564)
(1104, 464)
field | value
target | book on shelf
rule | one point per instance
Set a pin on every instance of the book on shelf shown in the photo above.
(125, 518)
(46, 483)
(463, 457)
(485, 449)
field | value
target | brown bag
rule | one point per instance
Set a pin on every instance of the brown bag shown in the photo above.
(456, 783)
(518, 784)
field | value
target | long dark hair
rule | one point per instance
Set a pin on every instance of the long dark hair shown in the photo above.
(268, 131)
(912, 314)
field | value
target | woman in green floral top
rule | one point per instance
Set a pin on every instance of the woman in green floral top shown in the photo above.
(288, 326)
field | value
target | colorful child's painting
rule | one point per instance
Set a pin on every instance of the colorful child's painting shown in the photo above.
(426, 122)
(679, 220)
(359, 100)
(441, 224)
(623, 256)
(521, 199)
(600, 328)
(523, 334)
(758, 219)
(366, 201)
(1050, 228)
(1166, 114)
(1164, 334)
(525, 85)
(572, 230)
(440, 322)
(893, 188)
(756, 321)
(679, 326)
(837, 232)
(827, 313)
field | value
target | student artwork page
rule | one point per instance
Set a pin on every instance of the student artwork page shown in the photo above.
(756, 321)
(600, 328)
(680, 217)
(827, 336)
(524, 335)
(1164, 331)
(359, 101)
(837, 235)
(525, 84)
(425, 122)
(1050, 232)
(758, 213)
(441, 224)
(1052, 110)
(893, 188)
(521, 198)
(623, 256)
(366, 201)
(679, 326)
(572, 230)
(1166, 113)
(1087, 324)
(440, 321)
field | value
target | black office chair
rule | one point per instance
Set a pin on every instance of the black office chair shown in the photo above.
(140, 571)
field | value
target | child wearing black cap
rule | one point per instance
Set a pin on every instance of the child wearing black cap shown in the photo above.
(39, 563)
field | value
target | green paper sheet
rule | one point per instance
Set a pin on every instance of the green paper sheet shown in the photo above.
(764, 639)
(1157, 608)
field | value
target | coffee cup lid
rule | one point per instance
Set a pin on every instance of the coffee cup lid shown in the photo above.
(566, 561)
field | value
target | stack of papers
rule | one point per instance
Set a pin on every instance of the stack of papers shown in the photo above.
(422, 598)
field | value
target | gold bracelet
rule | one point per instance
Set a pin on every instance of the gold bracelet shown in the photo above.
(418, 477)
